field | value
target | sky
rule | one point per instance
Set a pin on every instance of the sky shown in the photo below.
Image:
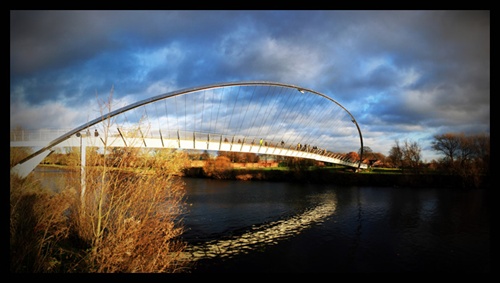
(404, 75)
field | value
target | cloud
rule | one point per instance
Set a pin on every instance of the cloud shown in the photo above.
(413, 73)
(52, 115)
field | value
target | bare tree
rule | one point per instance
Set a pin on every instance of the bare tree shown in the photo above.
(481, 151)
(448, 144)
(367, 152)
(407, 156)
(131, 219)
(396, 155)
(461, 148)
(412, 155)
(465, 156)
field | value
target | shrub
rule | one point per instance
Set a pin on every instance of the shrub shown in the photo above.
(218, 168)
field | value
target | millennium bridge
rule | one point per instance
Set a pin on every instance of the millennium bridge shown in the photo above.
(252, 117)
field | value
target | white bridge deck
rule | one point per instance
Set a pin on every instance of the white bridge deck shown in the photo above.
(217, 144)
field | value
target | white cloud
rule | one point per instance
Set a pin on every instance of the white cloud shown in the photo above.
(51, 115)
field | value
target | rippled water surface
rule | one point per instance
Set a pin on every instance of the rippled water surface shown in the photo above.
(235, 226)
(242, 226)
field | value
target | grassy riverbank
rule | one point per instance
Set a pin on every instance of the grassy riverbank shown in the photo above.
(377, 177)
(345, 177)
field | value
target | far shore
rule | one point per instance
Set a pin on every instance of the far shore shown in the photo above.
(345, 177)
(335, 176)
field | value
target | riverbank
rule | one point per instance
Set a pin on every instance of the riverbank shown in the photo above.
(336, 176)
(349, 178)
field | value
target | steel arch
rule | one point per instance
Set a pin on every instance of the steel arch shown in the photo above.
(181, 92)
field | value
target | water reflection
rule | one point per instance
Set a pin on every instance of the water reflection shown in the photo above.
(56, 179)
(266, 234)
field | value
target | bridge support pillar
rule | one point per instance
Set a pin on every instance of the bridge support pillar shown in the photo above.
(23, 169)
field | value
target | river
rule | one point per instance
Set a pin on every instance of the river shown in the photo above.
(258, 226)
(290, 227)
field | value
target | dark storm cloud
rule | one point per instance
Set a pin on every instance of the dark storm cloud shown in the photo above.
(398, 72)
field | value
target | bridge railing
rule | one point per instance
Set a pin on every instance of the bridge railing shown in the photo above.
(200, 140)
(36, 135)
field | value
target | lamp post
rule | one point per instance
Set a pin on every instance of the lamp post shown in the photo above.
(83, 150)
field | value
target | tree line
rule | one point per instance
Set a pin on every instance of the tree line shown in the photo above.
(460, 154)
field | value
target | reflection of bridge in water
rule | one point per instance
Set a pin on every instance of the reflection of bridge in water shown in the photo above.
(255, 117)
(266, 234)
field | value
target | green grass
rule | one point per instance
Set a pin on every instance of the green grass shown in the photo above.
(383, 171)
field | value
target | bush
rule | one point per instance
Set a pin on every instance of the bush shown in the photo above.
(38, 225)
(122, 220)
(131, 220)
(218, 168)
(125, 222)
